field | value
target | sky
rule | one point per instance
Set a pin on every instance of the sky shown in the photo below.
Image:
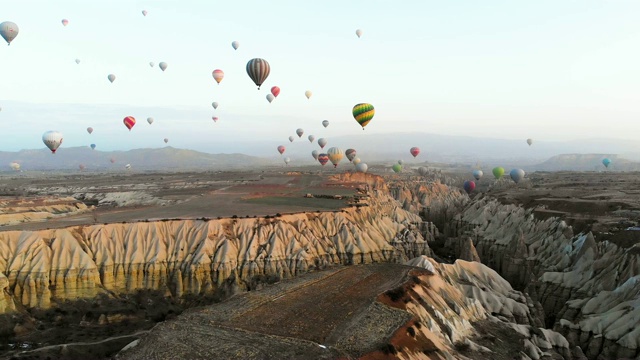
(552, 70)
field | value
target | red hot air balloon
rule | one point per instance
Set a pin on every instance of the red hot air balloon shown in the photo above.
(281, 149)
(129, 121)
(214, 118)
(275, 91)
(414, 151)
(469, 186)
(323, 159)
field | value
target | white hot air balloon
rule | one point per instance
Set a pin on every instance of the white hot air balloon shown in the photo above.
(111, 78)
(270, 97)
(128, 166)
(356, 161)
(287, 160)
(308, 94)
(144, 12)
(359, 33)
(299, 132)
(325, 123)
(322, 142)
(9, 31)
(235, 45)
(77, 61)
(150, 120)
(311, 138)
(214, 104)
(65, 22)
(166, 140)
(15, 166)
(361, 167)
(162, 65)
(152, 64)
(291, 138)
(53, 140)
(315, 154)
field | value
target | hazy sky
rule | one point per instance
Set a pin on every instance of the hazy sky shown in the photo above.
(546, 69)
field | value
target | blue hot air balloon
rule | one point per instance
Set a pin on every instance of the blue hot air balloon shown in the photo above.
(606, 162)
(93, 146)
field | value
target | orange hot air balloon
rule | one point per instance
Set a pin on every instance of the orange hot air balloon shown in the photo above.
(218, 75)
(129, 121)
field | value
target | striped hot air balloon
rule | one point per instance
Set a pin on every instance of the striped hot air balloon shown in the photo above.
(129, 122)
(363, 113)
(323, 158)
(258, 70)
(351, 154)
(335, 155)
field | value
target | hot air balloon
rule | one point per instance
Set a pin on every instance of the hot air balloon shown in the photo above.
(363, 113)
(477, 174)
(218, 75)
(93, 146)
(77, 61)
(498, 172)
(356, 161)
(81, 167)
(128, 166)
(144, 12)
(89, 130)
(335, 155)
(359, 32)
(52, 139)
(314, 153)
(258, 70)
(308, 94)
(516, 175)
(351, 154)
(111, 78)
(214, 104)
(606, 162)
(299, 132)
(423, 170)
(113, 160)
(414, 151)
(281, 149)
(129, 122)
(162, 65)
(151, 64)
(287, 160)
(65, 22)
(401, 162)
(270, 97)
(323, 158)
(469, 186)
(235, 45)
(150, 120)
(9, 31)
(275, 91)
(397, 167)
(291, 138)
(322, 142)
(214, 118)
(529, 141)
(311, 138)
(362, 167)
(15, 166)
(166, 140)
(325, 123)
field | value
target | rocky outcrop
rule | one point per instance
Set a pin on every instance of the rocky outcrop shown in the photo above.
(38, 209)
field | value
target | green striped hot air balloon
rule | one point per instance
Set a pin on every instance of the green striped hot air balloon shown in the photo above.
(363, 113)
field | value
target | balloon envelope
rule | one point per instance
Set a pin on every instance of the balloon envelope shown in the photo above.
(359, 32)
(311, 138)
(363, 113)
(65, 22)
(152, 64)
(214, 104)
(52, 139)
(362, 167)
(150, 120)
(516, 175)
(9, 31)
(498, 172)
(275, 91)
(291, 138)
(214, 118)
(166, 140)
(281, 149)
(218, 75)
(15, 166)
(351, 154)
(93, 146)
(129, 122)
(111, 78)
(606, 162)
(469, 186)
(77, 61)
(258, 70)
(356, 161)
(335, 155)
(162, 65)
(314, 153)
(414, 151)
(308, 94)
(270, 97)
(529, 141)
(397, 167)
(322, 142)
(299, 132)
(287, 160)
(89, 130)
(235, 45)
(325, 123)
(323, 159)
(477, 174)
(144, 13)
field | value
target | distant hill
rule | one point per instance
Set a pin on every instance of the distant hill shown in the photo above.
(586, 162)
(167, 158)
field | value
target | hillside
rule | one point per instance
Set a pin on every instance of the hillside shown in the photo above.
(586, 162)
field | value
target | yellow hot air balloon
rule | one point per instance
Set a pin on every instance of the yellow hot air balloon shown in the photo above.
(335, 155)
(363, 113)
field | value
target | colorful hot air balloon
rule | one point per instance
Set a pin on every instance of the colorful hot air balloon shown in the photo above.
(291, 138)
(477, 174)
(356, 161)
(325, 123)
(270, 97)
(606, 162)
(363, 113)
(311, 138)
(275, 91)
(65, 22)
(351, 154)
(162, 65)
(281, 149)
(52, 139)
(15, 166)
(214, 118)
(299, 132)
(150, 120)
(218, 75)
(214, 104)
(89, 129)
(9, 31)
(129, 122)
(335, 155)
(323, 158)
(258, 70)
(235, 45)
(322, 142)
(516, 175)
(414, 151)
(469, 186)
(308, 94)
(144, 12)
(397, 167)
(77, 61)
(498, 172)
(314, 153)
(287, 160)
(111, 78)
(362, 167)
(166, 140)
(359, 32)
(529, 141)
